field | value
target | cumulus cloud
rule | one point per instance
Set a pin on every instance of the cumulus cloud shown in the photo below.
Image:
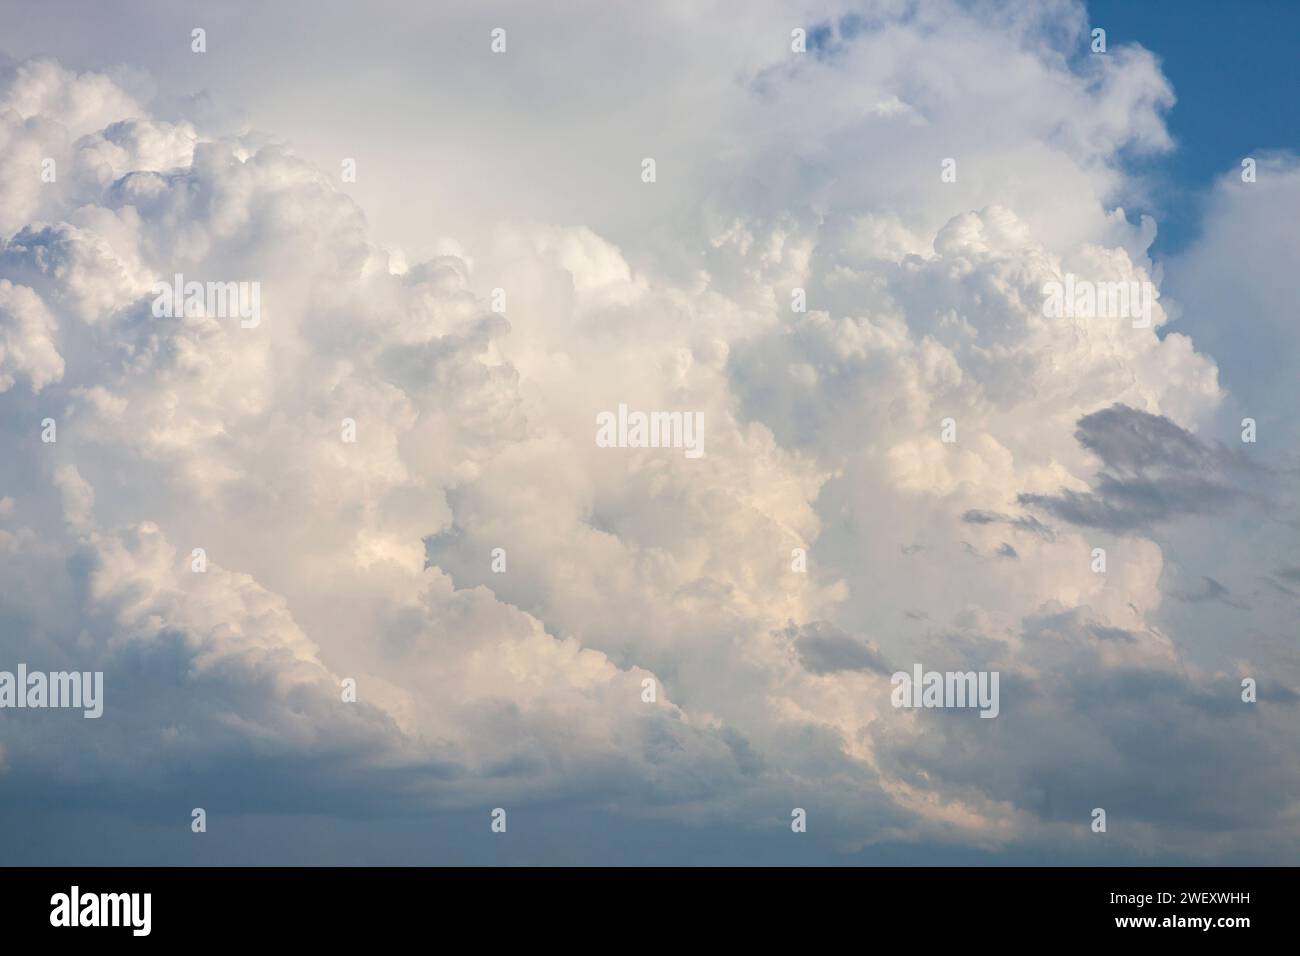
(27, 349)
(392, 477)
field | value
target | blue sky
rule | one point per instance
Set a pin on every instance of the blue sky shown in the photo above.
(1233, 67)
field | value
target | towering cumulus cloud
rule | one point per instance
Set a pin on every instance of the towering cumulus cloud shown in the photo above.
(365, 559)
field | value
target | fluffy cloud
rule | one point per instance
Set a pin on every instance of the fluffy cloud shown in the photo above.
(648, 646)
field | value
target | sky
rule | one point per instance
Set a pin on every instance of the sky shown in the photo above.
(366, 584)
(1230, 68)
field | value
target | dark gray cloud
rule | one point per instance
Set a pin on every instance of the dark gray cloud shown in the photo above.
(1153, 471)
(1104, 633)
(1148, 742)
(1133, 442)
(1026, 523)
(1207, 589)
(824, 648)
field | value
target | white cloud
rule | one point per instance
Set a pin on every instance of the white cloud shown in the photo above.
(27, 348)
(474, 431)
